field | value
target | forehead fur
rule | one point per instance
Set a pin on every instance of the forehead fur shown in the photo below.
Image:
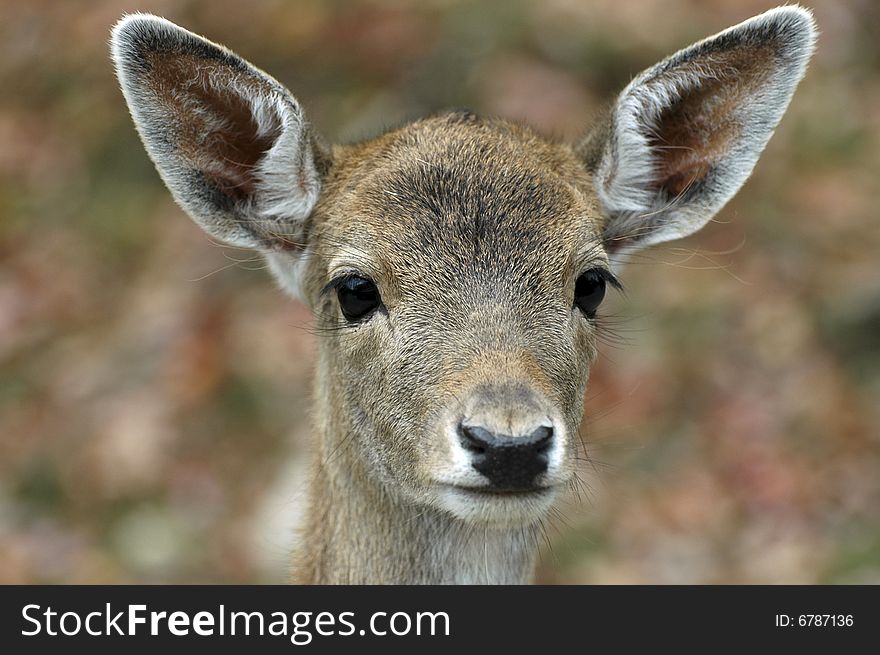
(459, 191)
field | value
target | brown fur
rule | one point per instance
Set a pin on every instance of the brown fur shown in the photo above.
(696, 132)
(475, 232)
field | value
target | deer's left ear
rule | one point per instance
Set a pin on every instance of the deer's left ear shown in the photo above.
(685, 134)
(231, 143)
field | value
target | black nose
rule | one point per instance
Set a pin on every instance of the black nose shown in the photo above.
(511, 463)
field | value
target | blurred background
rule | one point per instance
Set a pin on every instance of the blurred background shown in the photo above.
(154, 388)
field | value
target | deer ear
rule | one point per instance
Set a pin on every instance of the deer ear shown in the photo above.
(230, 142)
(684, 136)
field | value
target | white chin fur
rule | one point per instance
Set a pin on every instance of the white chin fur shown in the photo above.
(498, 510)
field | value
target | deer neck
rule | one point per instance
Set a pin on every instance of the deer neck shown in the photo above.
(357, 531)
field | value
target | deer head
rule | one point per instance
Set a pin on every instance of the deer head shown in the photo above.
(456, 265)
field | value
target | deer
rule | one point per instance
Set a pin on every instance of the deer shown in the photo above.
(455, 267)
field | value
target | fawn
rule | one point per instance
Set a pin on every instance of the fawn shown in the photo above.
(455, 265)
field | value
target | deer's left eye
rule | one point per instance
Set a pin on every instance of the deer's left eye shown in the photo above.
(358, 297)
(589, 290)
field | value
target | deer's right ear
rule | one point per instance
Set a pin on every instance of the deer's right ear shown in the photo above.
(230, 142)
(685, 134)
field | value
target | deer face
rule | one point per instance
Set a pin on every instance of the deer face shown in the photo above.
(456, 272)
(455, 266)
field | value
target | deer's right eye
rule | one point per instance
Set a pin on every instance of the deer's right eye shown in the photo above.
(358, 297)
(589, 290)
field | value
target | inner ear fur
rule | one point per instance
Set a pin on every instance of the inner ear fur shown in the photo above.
(692, 135)
(216, 128)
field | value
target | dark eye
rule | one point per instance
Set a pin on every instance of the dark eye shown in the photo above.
(589, 290)
(358, 297)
